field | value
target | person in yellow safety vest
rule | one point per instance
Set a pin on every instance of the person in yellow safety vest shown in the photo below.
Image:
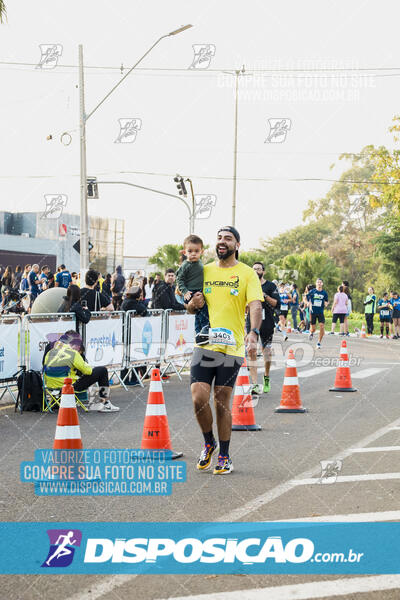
(64, 359)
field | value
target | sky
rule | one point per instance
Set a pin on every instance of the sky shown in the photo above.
(186, 115)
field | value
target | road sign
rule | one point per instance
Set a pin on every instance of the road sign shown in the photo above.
(77, 246)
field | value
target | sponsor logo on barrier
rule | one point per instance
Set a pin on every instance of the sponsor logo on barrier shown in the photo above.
(147, 338)
(103, 341)
(62, 547)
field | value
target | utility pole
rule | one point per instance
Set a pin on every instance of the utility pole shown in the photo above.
(84, 237)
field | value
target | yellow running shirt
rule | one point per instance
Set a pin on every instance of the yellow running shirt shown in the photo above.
(227, 292)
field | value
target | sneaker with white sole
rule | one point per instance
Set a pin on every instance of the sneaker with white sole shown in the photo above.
(256, 390)
(223, 466)
(95, 406)
(107, 407)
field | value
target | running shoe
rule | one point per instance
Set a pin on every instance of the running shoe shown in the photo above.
(95, 406)
(318, 345)
(332, 333)
(107, 407)
(388, 337)
(310, 337)
(204, 461)
(256, 390)
(267, 385)
(381, 336)
(348, 334)
(285, 337)
(224, 466)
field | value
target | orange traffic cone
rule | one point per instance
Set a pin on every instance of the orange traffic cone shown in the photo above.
(243, 418)
(68, 433)
(156, 429)
(290, 399)
(363, 334)
(289, 327)
(343, 377)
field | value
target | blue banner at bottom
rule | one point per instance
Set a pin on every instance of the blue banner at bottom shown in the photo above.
(173, 548)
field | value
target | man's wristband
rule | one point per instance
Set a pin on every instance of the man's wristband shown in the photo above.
(256, 331)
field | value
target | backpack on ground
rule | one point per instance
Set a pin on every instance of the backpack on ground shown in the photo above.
(30, 391)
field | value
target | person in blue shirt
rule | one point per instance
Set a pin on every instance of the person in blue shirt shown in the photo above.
(34, 282)
(395, 301)
(384, 309)
(285, 299)
(63, 277)
(44, 277)
(295, 304)
(317, 302)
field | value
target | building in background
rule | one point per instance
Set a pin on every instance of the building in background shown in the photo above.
(137, 265)
(28, 237)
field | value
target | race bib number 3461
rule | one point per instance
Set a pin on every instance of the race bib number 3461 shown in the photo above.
(221, 336)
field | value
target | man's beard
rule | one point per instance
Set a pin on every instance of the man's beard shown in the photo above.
(259, 275)
(226, 254)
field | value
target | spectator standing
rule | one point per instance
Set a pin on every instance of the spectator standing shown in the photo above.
(346, 290)
(63, 277)
(295, 304)
(147, 289)
(106, 288)
(395, 301)
(369, 310)
(7, 280)
(24, 287)
(164, 293)
(17, 277)
(95, 300)
(72, 303)
(133, 301)
(117, 287)
(339, 310)
(385, 309)
(44, 276)
(34, 282)
(50, 280)
(74, 279)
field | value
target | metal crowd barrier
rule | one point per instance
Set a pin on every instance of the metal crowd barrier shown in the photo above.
(10, 353)
(116, 340)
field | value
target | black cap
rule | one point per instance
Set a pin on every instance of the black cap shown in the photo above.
(232, 229)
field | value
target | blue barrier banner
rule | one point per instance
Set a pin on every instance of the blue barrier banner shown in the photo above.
(103, 472)
(173, 548)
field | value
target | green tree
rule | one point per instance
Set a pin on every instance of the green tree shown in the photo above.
(388, 248)
(166, 257)
(305, 268)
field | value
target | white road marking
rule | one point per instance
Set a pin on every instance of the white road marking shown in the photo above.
(102, 588)
(257, 503)
(374, 517)
(349, 478)
(366, 373)
(315, 371)
(377, 449)
(305, 591)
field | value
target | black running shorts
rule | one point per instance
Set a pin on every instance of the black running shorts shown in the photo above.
(208, 366)
(317, 316)
(339, 316)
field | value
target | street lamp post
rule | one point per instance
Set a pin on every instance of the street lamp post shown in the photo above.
(83, 117)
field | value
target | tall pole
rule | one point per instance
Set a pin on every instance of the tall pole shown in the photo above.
(84, 239)
(235, 151)
(192, 216)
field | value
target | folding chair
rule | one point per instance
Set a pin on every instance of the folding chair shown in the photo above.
(52, 396)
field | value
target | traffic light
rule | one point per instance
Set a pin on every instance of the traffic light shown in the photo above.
(180, 184)
(92, 191)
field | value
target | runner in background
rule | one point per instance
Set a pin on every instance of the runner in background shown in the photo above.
(385, 314)
(285, 300)
(396, 316)
(295, 304)
(271, 302)
(317, 301)
(349, 307)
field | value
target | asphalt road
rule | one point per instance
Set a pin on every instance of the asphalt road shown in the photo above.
(275, 476)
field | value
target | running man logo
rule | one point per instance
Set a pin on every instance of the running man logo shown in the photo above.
(50, 53)
(278, 129)
(203, 54)
(62, 547)
(55, 204)
(329, 470)
(128, 129)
